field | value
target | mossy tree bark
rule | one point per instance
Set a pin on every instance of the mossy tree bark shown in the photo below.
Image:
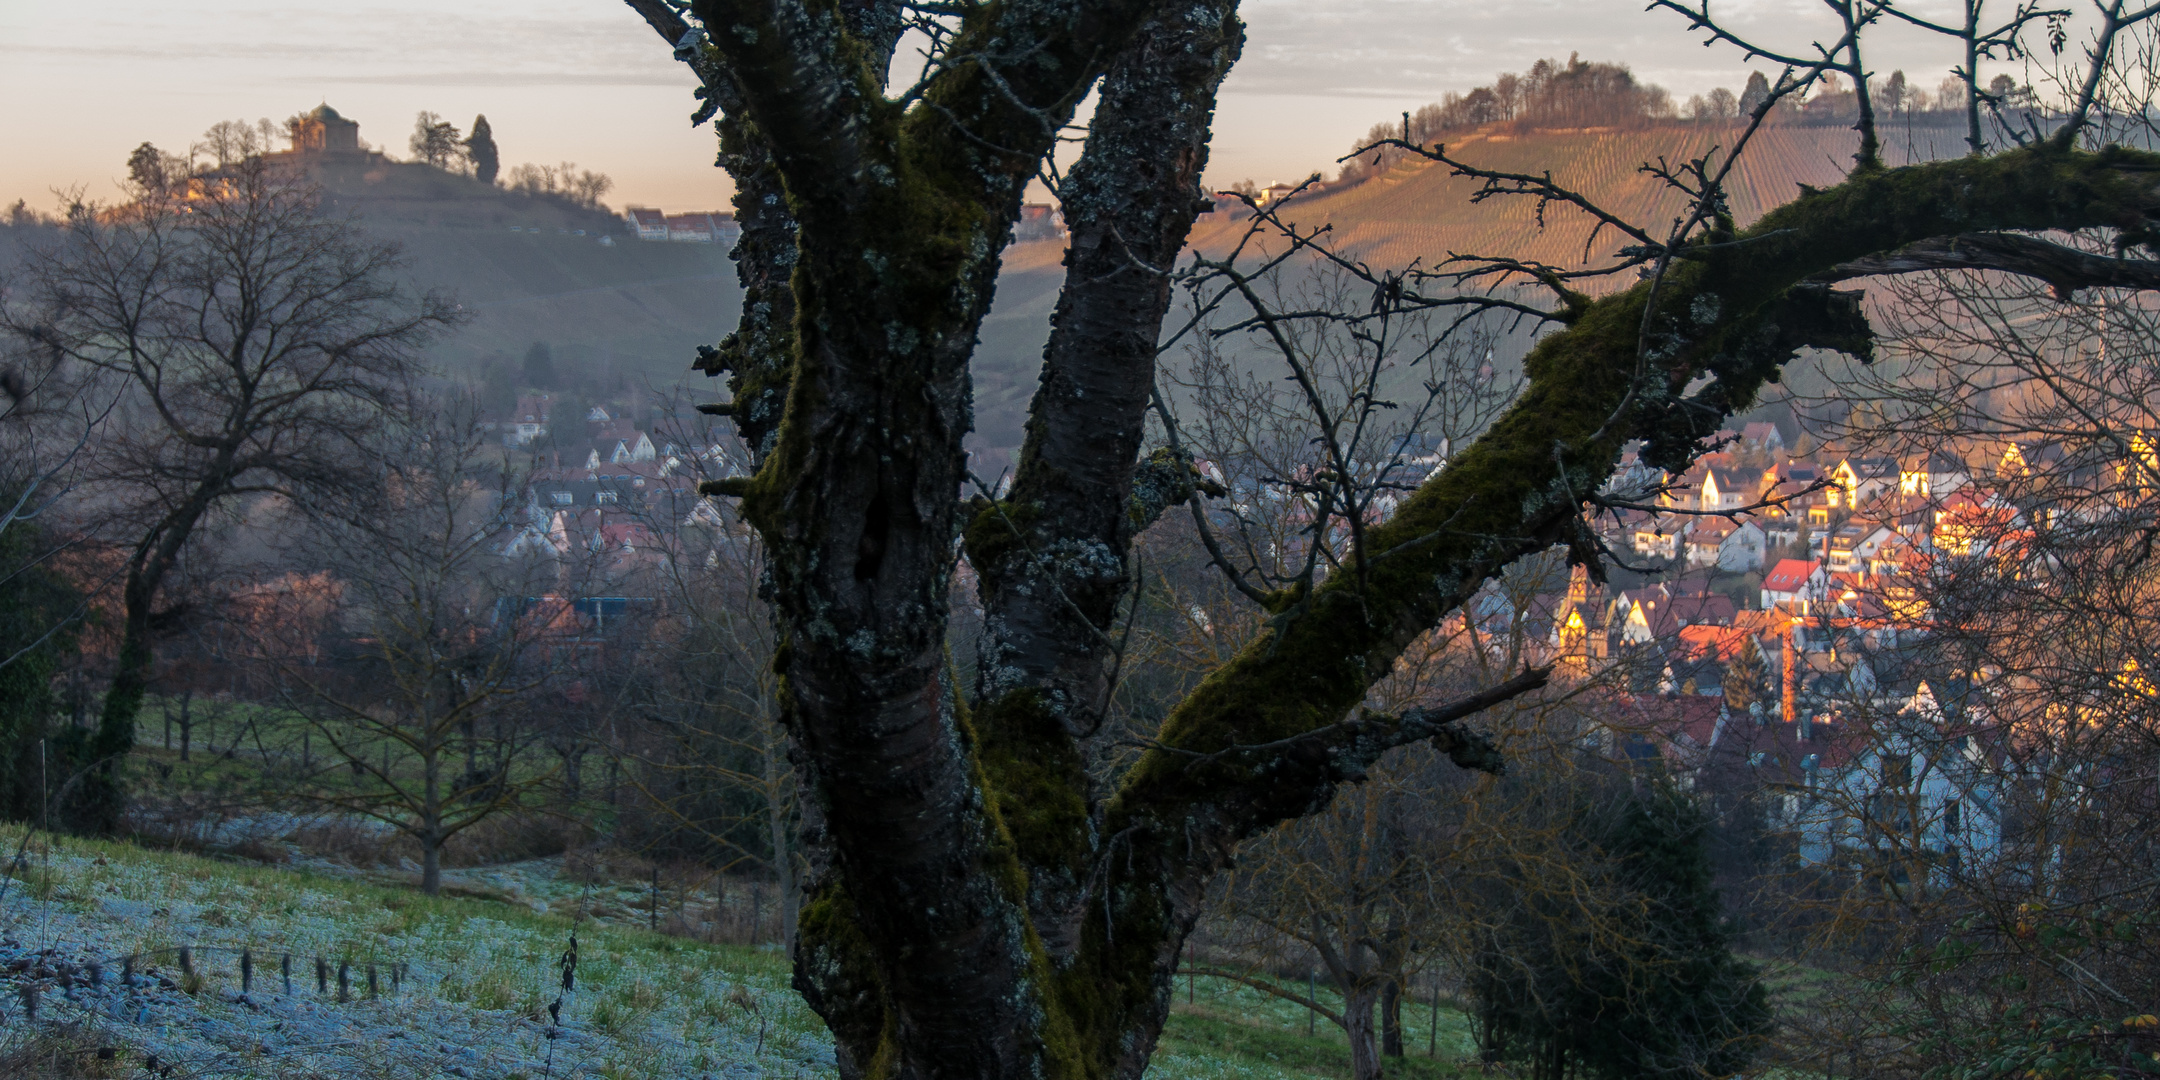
(985, 912)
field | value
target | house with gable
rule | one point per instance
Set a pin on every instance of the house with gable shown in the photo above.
(528, 420)
(1731, 547)
(619, 444)
(1763, 435)
(2023, 459)
(1796, 584)
(1932, 474)
(1660, 612)
(1727, 488)
(1660, 537)
(1579, 622)
(1683, 491)
(1926, 785)
(1632, 476)
(1971, 521)
(646, 223)
(1858, 480)
(1849, 546)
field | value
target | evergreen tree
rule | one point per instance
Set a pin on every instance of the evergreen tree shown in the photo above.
(150, 168)
(1744, 677)
(480, 147)
(1754, 94)
(498, 386)
(35, 634)
(540, 367)
(1644, 983)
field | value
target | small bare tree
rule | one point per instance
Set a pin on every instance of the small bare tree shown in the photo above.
(231, 142)
(427, 717)
(258, 340)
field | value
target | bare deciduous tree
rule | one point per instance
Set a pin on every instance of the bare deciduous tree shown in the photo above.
(258, 342)
(710, 756)
(434, 714)
(1987, 847)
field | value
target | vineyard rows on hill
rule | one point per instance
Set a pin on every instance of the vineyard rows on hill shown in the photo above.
(1418, 211)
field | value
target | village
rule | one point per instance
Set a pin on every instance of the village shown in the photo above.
(965, 541)
(1764, 625)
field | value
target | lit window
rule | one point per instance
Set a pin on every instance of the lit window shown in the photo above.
(562, 498)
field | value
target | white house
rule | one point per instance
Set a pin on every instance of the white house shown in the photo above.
(647, 223)
(1800, 583)
(1744, 548)
(1728, 489)
(614, 446)
(1660, 537)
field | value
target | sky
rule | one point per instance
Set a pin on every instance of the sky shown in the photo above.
(588, 82)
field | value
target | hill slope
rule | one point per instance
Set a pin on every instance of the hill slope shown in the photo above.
(637, 311)
(470, 999)
(1417, 211)
(609, 310)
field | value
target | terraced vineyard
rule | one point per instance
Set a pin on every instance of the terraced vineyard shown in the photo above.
(1417, 211)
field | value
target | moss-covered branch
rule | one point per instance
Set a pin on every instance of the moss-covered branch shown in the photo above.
(1735, 314)
(2066, 269)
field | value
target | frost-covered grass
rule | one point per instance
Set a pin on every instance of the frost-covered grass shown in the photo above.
(478, 977)
(472, 1001)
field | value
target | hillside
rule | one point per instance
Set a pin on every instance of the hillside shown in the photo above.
(614, 310)
(1418, 212)
(474, 976)
(637, 311)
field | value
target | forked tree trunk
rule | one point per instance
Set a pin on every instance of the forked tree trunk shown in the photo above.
(977, 907)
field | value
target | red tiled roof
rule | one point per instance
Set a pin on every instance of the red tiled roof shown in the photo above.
(1789, 575)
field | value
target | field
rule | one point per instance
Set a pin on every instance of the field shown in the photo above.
(462, 984)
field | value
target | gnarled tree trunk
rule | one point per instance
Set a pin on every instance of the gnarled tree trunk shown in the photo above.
(975, 906)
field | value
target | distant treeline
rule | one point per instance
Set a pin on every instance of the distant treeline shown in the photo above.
(1587, 93)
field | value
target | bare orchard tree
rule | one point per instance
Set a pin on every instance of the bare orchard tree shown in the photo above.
(1312, 428)
(1354, 887)
(983, 904)
(427, 722)
(1316, 410)
(258, 341)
